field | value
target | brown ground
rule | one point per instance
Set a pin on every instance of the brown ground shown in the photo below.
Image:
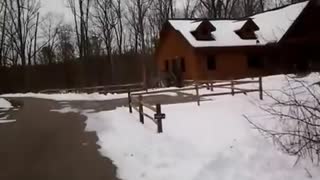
(45, 145)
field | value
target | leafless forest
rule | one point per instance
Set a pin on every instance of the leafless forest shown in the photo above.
(107, 42)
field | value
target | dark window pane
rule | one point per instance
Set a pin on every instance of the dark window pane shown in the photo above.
(211, 63)
(183, 65)
(166, 66)
(255, 62)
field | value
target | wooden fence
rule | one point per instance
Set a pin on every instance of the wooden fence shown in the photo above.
(136, 102)
(121, 88)
(228, 85)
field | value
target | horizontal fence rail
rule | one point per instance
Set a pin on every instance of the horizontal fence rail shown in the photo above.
(102, 89)
(138, 104)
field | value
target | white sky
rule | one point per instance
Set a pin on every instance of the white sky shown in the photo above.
(56, 6)
(60, 7)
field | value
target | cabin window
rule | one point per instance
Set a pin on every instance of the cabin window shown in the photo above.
(255, 62)
(211, 63)
(183, 65)
(166, 66)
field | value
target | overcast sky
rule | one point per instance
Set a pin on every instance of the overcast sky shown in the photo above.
(60, 6)
(56, 6)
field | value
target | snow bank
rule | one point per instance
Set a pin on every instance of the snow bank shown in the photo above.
(4, 104)
(213, 141)
(70, 96)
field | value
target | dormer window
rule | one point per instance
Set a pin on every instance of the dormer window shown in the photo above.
(204, 31)
(248, 30)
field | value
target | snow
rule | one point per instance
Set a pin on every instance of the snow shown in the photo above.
(207, 142)
(4, 104)
(273, 25)
(66, 110)
(213, 141)
(7, 121)
(70, 96)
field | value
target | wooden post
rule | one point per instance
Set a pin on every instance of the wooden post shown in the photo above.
(211, 86)
(129, 101)
(141, 110)
(159, 116)
(232, 87)
(260, 88)
(197, 94)
(208, 86)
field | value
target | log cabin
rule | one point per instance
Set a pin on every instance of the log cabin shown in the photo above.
(282, 40)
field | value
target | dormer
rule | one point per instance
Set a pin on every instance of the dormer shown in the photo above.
(204, 31)
(247, 31)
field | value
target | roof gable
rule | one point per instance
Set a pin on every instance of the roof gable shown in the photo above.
(204, 31)
(247, 31)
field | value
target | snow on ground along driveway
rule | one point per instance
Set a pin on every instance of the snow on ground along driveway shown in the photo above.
(4, 104)
(211, 142)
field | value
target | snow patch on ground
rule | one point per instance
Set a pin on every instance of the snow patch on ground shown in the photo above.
(7, 121)
(66, 110)
(4, 104)
(70, 96)
(213, 141)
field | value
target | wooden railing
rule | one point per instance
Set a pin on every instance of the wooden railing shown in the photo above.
(138, 104)
(136, 99)
(121, 88)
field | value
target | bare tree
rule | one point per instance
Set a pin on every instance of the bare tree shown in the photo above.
(3, 16)
(162, 10)
(252, 7)
(137, 19)
(50, 25)
(65, 48)
(212, 8)
(81, 11)
(23, 16)
(105, 19)
(118, 9)
(297, 109)
(189, 9)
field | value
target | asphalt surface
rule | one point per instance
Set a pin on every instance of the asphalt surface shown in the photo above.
(46, 145)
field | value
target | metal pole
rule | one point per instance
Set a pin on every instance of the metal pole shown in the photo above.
(232, 87)
(129, 101)
(159, 120)
(141, 110)
(260, 88)
(197, 94)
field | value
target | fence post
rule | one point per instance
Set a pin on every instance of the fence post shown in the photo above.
(260, 88)
(159, 116)
(197, 94)
(232, 87)
(208, 86)
(141, 110)
(129, 101)
(211, 86)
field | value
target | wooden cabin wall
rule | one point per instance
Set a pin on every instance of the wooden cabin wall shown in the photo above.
(173, 46)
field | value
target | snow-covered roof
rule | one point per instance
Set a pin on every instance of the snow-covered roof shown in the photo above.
(273, 25)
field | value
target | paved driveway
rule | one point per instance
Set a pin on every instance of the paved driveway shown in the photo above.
(45, 145)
